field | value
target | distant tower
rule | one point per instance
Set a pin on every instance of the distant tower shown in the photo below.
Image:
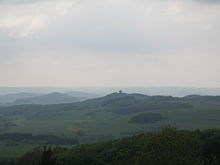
(120, 91)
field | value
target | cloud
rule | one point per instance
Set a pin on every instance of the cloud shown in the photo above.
(137, 27)
(26, 19)
(131, 42)
(22, 1)
(208, 1)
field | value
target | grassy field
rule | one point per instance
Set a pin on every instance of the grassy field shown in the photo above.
(104, 122)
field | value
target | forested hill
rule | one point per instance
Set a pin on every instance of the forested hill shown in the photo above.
(120, 103)
(167, 147)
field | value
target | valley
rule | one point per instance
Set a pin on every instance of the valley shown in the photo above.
(109, 117)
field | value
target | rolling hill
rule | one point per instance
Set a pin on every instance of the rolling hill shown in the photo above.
(8, 98)
(82, 95)
(110, 114)
(52, 98)
(113, 116)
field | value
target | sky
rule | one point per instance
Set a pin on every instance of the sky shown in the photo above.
(68, 43)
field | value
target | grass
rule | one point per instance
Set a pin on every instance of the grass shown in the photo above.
(103, 122)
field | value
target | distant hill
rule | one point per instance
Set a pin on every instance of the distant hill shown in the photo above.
(118, 103)
(14, 96)
(118, 114)
(122, 103)
(52, 98)
(201, 98)
(82, 95)
(172, 91)
(111, 100)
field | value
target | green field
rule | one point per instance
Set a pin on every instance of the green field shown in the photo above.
(109, 123)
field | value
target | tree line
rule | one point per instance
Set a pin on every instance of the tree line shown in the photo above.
(166, 147)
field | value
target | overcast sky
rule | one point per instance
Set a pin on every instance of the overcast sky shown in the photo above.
(110, 43)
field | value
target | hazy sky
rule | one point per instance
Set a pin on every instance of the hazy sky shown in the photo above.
(110, 43)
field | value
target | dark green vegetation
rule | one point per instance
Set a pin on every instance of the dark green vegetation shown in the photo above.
(109, 117)
(166, 147)
(147, 118)
(13, 139)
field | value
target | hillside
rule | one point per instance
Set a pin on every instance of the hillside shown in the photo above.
(8, 98)
(49, 98)
(83, 95)
(113, 116)
(167, 147)
(119, 103)
(52, 98)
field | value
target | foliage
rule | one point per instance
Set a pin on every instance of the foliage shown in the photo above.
(167, 147)
(13, 138)
(147, 118)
